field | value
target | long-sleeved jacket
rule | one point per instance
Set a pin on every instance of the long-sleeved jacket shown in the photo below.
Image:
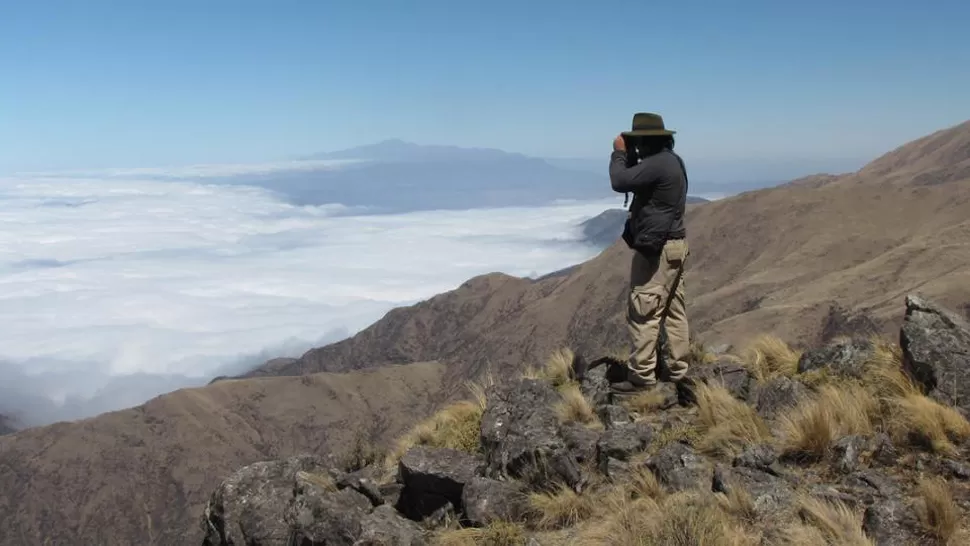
(659, 187)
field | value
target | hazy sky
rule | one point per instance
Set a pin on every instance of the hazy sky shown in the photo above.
(131, 83)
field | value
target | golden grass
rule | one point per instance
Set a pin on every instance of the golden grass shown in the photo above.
(688, 433)
(727, 424)
(558, 368)
(322, 481)
(739, 504)
(499, 533)
(883, 372)
(830, 523)
(562, 507)
(647, 402)
(457, 426)
(927, 423)
(809, 429)
(768, 356)
(698, 355)
(682, 519)
(937, 510)
(573, 407)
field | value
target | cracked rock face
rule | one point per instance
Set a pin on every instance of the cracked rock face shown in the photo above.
(520, 435)
(936, 351)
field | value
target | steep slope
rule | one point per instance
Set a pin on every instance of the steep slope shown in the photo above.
(778, 259)
(141, 476)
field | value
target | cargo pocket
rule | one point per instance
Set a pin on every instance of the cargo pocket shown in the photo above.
(645, 303)
(675, 252)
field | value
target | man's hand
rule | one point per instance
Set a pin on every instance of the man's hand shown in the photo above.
(619, 145)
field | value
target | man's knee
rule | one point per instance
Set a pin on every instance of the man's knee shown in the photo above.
(645, 303)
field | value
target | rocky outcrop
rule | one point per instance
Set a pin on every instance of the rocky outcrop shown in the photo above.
(526, 448)
(936, 351)
(6, 425)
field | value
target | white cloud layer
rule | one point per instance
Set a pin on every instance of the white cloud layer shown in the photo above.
(106, 278)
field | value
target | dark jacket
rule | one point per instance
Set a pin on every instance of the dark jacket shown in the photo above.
(659, 187)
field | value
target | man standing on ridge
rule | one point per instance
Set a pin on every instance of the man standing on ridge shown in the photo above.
(643, 163)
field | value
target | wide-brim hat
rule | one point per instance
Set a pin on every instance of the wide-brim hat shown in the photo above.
(647, 124)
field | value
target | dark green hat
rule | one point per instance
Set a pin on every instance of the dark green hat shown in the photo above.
(647, 124)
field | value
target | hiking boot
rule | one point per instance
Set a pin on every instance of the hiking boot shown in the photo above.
(629, 387)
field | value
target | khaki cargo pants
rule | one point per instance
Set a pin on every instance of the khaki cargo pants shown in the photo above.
(657, 297)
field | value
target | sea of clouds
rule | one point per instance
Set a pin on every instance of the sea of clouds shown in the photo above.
(118, 287)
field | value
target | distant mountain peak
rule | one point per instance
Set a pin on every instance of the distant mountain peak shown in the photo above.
(397, 149)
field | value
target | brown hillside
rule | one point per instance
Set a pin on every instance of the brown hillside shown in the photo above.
(778, 259)
(142, 475)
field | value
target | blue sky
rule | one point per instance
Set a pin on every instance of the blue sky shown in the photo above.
(136, 83)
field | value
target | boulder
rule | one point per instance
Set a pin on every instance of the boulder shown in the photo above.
(614, 416)
(486, 501)
(433, 478)
(268, 503)
(936, 351)
(770, 495)
(678, 467)
(778, 395)
(581, 441)
(364, 481)
(726, 373)
(892, 522)
(385, 527)
(846, 358)
(594, 379)
(521, 438)
(761, 457)
(624, 441)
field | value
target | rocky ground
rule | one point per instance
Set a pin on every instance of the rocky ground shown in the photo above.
(862, 441)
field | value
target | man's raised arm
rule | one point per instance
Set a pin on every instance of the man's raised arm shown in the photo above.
(631, 179)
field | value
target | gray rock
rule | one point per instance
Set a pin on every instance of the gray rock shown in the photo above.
(730, 375)
(385, 527)
(581, 441)
(770, 495)
(679, 467)
(891, 522)
(593, 380)
(267, 503)
(486, 500)
(364, 482)
(957, 469)
(936, 351)
(846, 358)
(319, 517)
(616, 470)
(520, 435)
(613, 416)
(761, 457)
(885, 452)
(434, 477)
(391, 493)
(778, 395)
(872, 484)
(846, 452)
(624, 441)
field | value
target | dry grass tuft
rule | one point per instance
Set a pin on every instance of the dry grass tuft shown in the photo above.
(826, 523)
(457, 426)
(560, 508)
(499, 533)
(647, 402)
(767, 357)
(937, 510)
(884, 375)
(739, 504)
(643, 484)
(575, 408)
(322, 481)
(681, 519)
(810, 429)
(687, 433)
(927, 423)
(558, 368)
(727, 424)
(698, 355)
